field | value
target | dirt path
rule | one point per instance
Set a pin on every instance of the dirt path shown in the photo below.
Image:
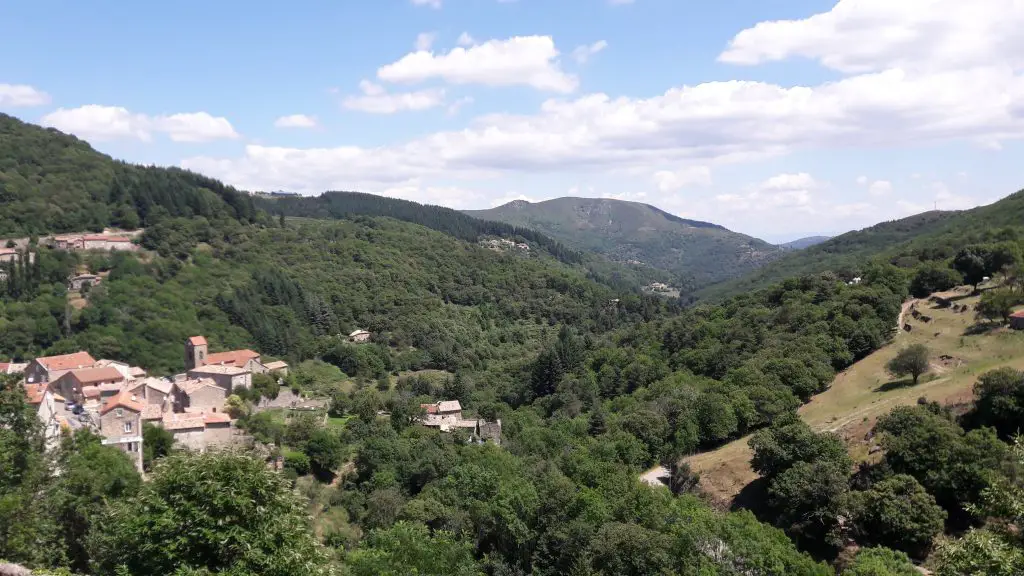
(657, 476)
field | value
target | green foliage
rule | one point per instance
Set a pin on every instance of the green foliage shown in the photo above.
(266, 385)
(778, 448)
(325, 451)
(91, 476)
(156, 443)
(241, 518)
(953, 466)
(999, 402)
(406, 549)
(998, 304)
(897, 512)
(911, 361)
(979, 553)
(881, 562)
(297, 461)
(933, 278)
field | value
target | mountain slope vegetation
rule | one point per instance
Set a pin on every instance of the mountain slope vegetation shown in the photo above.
(52, 182)
(908, 242)
(697, 253)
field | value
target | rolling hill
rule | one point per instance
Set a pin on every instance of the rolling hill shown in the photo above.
(801, 243)
(697, 253)
(929, 236)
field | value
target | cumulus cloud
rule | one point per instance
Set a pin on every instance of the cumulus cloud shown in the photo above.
(296, 121)
(97, 122)
(880, 188)
(870, 35)
(375, 99)
(22, 95)
(521, 60)
(583, 53)
(673, 180)
(465, 40)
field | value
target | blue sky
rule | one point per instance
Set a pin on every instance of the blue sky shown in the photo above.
(778, 118)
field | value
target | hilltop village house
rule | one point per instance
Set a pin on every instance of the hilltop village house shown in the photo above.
(230, 370)
(114, 398)
(359, 336)
(105, 241)
(446, 416)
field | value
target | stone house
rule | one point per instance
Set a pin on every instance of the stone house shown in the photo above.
(47, 368)
(359, 336)
(197, 355)
(280, 367)
(45, 404)
(12, 367)
(128, 371)
(9, 255)
(227, 377)
(72, 384)
(199, 431)
(76, 283)
(121, 425)
(203, 395)
(155, 391)
(104, 242)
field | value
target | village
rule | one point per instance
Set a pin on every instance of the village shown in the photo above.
(114, 399)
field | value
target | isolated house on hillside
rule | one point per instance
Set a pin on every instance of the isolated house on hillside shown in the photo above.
(121, 425)
(1017, 320)
(76, 283)
(47, 368)
(359, 336)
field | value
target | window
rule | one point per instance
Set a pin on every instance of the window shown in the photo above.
(127, 427)
(119, 412)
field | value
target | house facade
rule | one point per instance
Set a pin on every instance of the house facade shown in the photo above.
(49, 368)
(201, 395)
(45, 404)
(121, 425)
(73, 383)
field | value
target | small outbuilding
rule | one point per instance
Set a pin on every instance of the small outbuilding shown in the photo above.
(1017, 320)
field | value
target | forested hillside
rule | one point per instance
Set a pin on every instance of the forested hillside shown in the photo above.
(592, 386)
(52, 182)
(696, 253)
(926, 237)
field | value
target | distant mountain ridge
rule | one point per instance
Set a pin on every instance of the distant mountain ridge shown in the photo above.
(697, 253)
(801, 243)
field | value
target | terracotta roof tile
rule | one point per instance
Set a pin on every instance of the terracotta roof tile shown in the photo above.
(34, 393)
(216, 418)
(183, 421)
(197, 341)
(123, 400)
(231, 358)
(88, 376)
(67, 361)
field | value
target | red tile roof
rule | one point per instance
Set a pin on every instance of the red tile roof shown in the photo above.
(183, 421)
(34, 393)
(123, 400)
(6, 251)
(67, 361)
(90, 376)
(92, 392)
(1017, 314)
(216, 418)
(430, 408)
(232, 358)
(197, 341)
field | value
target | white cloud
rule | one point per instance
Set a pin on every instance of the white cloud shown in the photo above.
(376, 100)
(521, 60)
(880, 188)
(296, 121)
(583, 53)
(671, 181)
(456, 106)
(21, 95)
(872, 35)
(465, 39)
(435, 4)
(862, 180)
(98, 122)
(424, 41)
